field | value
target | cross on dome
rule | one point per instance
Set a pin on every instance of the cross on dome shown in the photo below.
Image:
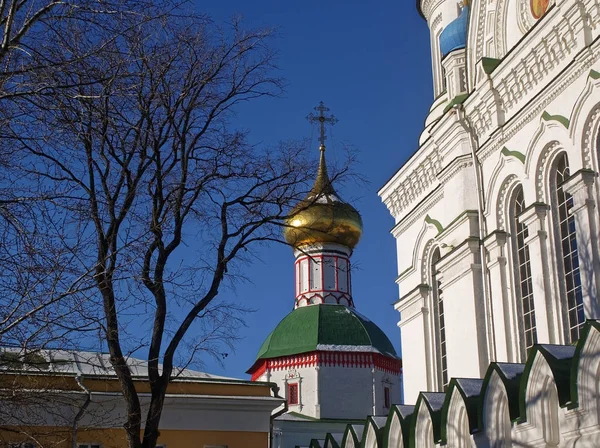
(322, 119)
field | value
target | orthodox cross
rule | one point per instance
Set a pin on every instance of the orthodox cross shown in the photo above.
(322, 120)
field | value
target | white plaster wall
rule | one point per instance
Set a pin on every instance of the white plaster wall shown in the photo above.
(307, 380)
(349, 392)
(183, 412)
(416, 354)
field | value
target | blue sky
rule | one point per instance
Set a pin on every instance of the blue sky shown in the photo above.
(369, 62)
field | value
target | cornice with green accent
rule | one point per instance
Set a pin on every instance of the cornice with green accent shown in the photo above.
(489, 64)
(577, 359)
(458, 99)
(405, 425)
(435, 223)
(455, 220)
(594, 75)
(511, 385)
(330, 441)
(562, 120)
(316, 443)
(561, 371)
(471, 403)
(436, 419)
(378, 432)
(350, 432)
(516, 154)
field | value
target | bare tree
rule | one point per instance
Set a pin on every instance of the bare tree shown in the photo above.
(155, 196)
(36, 277)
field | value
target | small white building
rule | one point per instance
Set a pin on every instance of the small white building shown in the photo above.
(332, 364)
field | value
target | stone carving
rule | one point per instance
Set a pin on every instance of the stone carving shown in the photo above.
(542, 167)
(590, 135)
(501, 209)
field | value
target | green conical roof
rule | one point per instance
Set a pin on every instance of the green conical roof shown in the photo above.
(325, 327)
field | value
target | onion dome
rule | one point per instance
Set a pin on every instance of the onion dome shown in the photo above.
(322, 217)
(454, 36)
(325, 327)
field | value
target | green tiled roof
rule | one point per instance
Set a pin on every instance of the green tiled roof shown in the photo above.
(322, 327)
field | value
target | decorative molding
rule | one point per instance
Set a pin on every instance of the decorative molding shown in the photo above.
(536, 107)
(507, 186)
(434, 222)
(500, 28)
(415, 184)
(540, 173)
(454, 167)
(417, 213)
(562, 120)
(590, 135)
(531, 66)
(330, 359)
(425, 261)
(516, 154)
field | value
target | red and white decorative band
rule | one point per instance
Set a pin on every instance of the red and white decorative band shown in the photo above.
(329, 359)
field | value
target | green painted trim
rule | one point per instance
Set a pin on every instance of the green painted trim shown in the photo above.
(438, 225)
(458, 99)
(594, 74)
(585, 333)
(330, 442)
(458, 218)
(511, 386)
(350, 432)
(435, 421)
(490, 64)
(405, 425)
(378, 432)
(518, 155)
(561, 371)
(562, 120)
(471, 404)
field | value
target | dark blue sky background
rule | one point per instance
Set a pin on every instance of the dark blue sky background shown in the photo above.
(369, 62)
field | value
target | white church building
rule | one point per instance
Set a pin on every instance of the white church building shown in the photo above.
(497, 223)
(331, 363)
(506, 172)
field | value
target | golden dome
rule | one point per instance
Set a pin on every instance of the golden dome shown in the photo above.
(323, 217)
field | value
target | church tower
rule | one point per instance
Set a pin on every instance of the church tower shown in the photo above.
(329, 360)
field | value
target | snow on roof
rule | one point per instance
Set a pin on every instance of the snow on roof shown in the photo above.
(81, 363)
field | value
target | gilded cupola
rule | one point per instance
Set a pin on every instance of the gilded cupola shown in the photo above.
(323, 217)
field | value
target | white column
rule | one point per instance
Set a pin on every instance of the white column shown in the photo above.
(581, 186)
(374, 392)
(417, 356)
(502, 298)
(547, 308)
(317, 396)
(466, 322)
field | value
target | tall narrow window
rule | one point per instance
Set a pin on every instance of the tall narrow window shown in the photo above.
(523, 280)
(567, 253)
(440, 326)
(293, 395)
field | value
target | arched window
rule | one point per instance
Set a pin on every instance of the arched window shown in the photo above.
(440, 326)
(567, 254)
(522, 273)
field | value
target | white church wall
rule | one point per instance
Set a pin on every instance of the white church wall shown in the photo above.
(308, 388)
(417, 354)
(561, 108)
(337, 404)
(463, 312)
